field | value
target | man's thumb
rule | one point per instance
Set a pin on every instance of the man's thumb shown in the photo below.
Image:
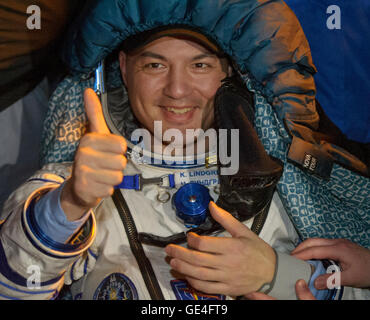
(94, 112)
(225, 219)
(302, 291)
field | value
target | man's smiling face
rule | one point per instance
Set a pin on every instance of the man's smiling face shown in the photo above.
(174, 81)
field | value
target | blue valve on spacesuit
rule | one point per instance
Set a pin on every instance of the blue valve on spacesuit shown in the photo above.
(191, 204)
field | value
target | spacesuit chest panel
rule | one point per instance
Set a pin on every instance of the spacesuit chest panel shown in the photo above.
(118, 274)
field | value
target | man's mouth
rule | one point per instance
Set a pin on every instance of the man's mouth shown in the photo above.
(178, 114)
(178, 110)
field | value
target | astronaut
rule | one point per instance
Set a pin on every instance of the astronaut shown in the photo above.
(108, 223)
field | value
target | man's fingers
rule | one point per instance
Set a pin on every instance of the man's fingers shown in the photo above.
(314, 242)
(98, 191)
(94, 112)
(331, 280)
(321, 282)
(191, 270)
(108, 143)
(210, 287)
(225, 219)
(192, 256)
(319, 252)
(102, 160)
(108, 177)
(217, 245)
(302, 291)
(87, 175)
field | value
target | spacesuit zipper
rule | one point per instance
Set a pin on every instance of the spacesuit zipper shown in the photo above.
(137, 249)
(260, 219)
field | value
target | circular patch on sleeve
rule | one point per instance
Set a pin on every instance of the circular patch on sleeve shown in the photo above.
(116, 286)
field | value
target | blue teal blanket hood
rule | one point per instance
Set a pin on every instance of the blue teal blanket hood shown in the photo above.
(263, 38)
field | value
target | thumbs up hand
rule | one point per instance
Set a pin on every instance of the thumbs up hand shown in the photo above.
(98, 164)
(235, 265)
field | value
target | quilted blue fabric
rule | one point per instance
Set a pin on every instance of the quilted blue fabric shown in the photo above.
(337, 208)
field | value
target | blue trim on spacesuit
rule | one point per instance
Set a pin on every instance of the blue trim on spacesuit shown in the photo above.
(85, 264)
(15, 277)
(130, 182)
(161, 163)
(93, 254)
(27, 292)
(171, 179)
(44, 239)
(55, 295)
(178, 166)
(133, 182)
(326, 294)
(319, 270)
(38, 247)
(71, 272)
(9, 298)
(45, 180)
(51, 219)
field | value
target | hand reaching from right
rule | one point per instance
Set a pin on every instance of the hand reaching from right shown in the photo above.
(353, 259)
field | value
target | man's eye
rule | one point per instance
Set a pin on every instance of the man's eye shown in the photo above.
(201, 65)
(154, 65)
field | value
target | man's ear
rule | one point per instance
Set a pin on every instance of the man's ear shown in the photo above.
(226, 67)
(229, 71)
(123, 65)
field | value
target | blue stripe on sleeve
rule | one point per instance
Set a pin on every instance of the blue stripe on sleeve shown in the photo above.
(9, 298)
(51, 219)
(319, 270)
(15, 277)
(26, 292)
(93, 254)
(42, 237)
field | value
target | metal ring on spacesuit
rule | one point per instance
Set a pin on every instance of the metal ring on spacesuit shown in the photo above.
(162, 193)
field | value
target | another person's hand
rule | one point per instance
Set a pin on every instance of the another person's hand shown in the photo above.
(98, 164)
(234, 265)
(354, 260)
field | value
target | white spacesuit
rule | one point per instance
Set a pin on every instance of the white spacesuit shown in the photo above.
(116, 250)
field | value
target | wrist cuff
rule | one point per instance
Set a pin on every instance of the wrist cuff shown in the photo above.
(267, 287)
(287, 271)
(80, 242)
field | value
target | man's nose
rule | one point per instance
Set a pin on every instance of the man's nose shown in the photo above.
(178, 84)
